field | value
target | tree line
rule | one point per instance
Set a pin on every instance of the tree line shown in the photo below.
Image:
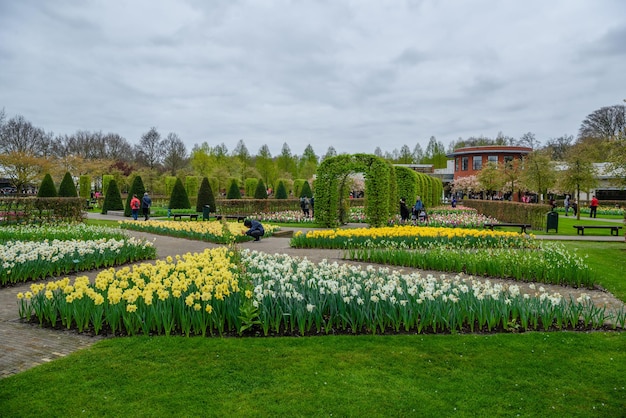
(28, 152)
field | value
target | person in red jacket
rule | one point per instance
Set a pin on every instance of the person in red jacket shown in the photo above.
(593, 206)
(135, 204)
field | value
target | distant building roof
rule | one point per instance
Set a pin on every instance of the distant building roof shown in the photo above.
(490, 149)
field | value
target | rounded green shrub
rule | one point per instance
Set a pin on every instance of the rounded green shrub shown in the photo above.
(281, 191)
(306, 190)
(179, 198)
(67, 188)
(205, 196)
(261, 191)
(233, 190)
(112, 198)
(47, 188)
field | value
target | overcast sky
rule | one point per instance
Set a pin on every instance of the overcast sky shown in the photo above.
(352, 74)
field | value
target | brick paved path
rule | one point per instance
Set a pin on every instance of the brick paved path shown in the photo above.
(23, 345)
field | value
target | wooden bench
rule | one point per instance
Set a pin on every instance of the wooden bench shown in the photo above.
(580, 229)
(191, 216)
(505, 225)
(240, 218)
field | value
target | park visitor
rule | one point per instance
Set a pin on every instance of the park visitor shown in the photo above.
(255, 230)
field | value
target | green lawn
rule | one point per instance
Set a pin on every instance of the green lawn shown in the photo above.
(608, 260)
(532, 374)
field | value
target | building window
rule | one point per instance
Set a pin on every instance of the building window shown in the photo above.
(456, 164)
(465, 163)
(477, 162)
(492, 159)
(508, 159)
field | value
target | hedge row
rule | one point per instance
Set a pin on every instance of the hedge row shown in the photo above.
(40, 210)
(512, 212)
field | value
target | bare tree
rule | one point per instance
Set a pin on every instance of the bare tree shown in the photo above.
(558, 147)
(19, 135)
(175, 153)
(118, 148)
(528, 140)
(607, 123)
(150, 150)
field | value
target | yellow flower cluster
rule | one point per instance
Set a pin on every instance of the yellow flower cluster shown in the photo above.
(214, 228)
(408, 231)
(196, 277)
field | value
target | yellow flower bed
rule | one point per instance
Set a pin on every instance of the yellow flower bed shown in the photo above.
(408, 231)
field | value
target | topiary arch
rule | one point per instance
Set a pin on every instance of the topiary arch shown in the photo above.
(331, 193)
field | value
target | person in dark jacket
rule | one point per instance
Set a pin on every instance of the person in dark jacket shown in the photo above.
(404, 210)
(146, 202)
(255, 230)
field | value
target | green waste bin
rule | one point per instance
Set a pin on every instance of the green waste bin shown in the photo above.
(552, 221)
(206, 212)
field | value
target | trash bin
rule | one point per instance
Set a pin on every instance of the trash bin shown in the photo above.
(552, 221)
(206, 212)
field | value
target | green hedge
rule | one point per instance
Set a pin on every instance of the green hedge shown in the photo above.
(512, 212)
(40, 210)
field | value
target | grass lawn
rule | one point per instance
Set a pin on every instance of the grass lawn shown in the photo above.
(531, 374)
(608, 260)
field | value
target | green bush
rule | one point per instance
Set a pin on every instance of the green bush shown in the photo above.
(179, 198)
(46, 188)
(250, 187)
(261, 191)
(67, 188)
(192, 185)
(112, 198)
(233, 190)
(137, 188)
(281, 191)
(306, 190)
(106, 179)
(205, 196)
(85, 186)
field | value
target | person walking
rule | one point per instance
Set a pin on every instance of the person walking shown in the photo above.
(566, 204)
(593, 207)
(307, 207)
(135, 204)
(404, 211)
(146, 202)
(255, 230)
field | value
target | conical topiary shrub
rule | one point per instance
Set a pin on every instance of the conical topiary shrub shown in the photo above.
(306, 190)
(233, 191)
(205, 196)
(281, 191)
(113, 199)
(46, 188)
(179, 198)
(67, 188)
(137, 188)
(261, 191)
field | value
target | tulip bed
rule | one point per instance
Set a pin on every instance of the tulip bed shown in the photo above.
(219, 232)
(223, 291)
(37, 252)
(476, 252)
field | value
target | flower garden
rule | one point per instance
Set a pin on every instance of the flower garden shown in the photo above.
(477, 252)
(222, 291)
(219, 232)
(226, 291)
(45, 251)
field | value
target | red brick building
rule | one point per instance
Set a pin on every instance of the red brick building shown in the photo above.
(469, 161)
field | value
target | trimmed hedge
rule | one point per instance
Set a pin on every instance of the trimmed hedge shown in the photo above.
(112, 199)
(67, 188)
(261, 190)
(40, 210)
(47, 188)
(205, 196)
(512, 212)
(179, 198)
